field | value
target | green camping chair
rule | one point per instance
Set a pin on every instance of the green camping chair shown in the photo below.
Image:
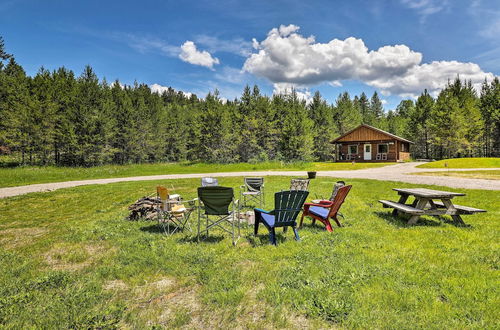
(217, 208)
(252, 190)
(287, 205)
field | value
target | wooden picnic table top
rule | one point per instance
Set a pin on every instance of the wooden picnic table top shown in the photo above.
(427, 193)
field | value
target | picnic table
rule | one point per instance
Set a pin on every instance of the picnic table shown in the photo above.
(428, 202)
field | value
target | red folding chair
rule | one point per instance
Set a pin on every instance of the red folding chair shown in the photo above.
(324, 210)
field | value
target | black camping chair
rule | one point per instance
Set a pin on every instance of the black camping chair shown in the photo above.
(219, 209)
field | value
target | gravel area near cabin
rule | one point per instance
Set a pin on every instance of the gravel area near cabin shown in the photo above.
(397, 172)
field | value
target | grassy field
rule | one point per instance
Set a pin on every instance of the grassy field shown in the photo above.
(486, 174)
(464, 163)
(19, 176)
(70, 260)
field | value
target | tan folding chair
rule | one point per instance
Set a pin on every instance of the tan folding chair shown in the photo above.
(173, 215)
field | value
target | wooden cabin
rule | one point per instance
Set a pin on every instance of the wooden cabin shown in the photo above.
(366, 143)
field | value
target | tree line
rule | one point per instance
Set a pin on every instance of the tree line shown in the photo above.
(56, 117)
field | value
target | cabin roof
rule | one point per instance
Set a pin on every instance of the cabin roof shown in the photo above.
(392, 136)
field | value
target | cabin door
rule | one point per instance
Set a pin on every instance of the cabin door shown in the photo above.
(368, 152)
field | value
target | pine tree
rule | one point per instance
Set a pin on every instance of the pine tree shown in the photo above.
(296, 137)
(490, 112)
(367, 116)
(3, 54)
(346, 115)
(418, 128)
(323, 132)
(376, 109)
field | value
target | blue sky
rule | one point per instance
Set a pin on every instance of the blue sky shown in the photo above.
(396, 47)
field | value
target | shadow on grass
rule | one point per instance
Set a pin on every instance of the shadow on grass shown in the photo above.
(263, 237)
(400, 222)
(211, 239)
(437, 221)
(157, 229)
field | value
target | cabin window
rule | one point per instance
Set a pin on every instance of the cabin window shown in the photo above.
(353, 149)
(383, 148)
(404, 148)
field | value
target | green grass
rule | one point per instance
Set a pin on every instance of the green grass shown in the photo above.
(19, 176)
(464, 163)
(484, 174)
(69, 259)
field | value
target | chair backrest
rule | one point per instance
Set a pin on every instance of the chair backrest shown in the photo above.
(336, 187)
(254, 184)
(299, 184)
(209, 182)
(163, 194)
(339, 200)
(216, 199)
(287, 205)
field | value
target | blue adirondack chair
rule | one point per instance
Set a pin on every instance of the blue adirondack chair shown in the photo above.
(287, 205)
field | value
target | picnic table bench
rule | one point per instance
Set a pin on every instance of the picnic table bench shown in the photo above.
(428, 202)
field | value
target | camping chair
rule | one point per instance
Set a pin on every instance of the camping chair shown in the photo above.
(219, 209)
(336, 187)
(287, 205)
(299, 184)
(252, 190)
(209, 182)
(324, 210)
(171, 211)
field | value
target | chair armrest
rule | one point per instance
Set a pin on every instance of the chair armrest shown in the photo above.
(263, 211)
(325, 205)
(191, 202)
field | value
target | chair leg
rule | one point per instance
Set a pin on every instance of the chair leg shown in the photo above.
(232, 228)
(256, 226)
(337, 221)
(199, 224)
(296, 232)
(328, 226)
(285, 229)
(272, 236)
(301, 220)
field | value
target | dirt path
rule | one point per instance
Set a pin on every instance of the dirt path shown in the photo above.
(397, 172)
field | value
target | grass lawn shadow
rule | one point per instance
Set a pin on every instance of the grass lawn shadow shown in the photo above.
(400, 222)
(211, 239)
(157, 229)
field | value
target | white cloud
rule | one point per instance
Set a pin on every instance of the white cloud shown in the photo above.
(231, 75)
(190, 54)
(303, 93)
(113, 84)
(147, 44)
(157, 88)
(236, 46)
(426, 7)
(487, 17)
(285, 56)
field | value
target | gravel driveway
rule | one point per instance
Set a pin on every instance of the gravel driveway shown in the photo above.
(397, 172)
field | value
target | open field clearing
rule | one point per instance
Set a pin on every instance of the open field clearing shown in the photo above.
(69, 259)
(19, 176)
(464, 163)
(485, 174)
